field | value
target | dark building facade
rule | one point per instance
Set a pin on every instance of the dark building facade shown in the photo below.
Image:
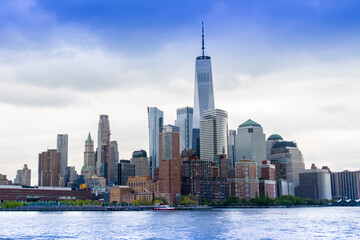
(314, 184)
(123, 170)
(202, 178)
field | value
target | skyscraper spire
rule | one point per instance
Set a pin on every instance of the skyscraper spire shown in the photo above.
(203, 47)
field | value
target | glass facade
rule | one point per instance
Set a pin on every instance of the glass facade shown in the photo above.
(184, 121)
(204, 92)
(155, 124)
(213, 134)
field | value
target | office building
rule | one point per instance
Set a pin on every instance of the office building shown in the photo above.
(184, 120)
(250, 143)
(113, 159)
(89, 167)
(141, 162)
(103, 149)
(213, 134)
(123, 170)
(232, 148)
(270, 143)
(23, 176)
(204, 92)
(289, 162)
(49, 168)
(71, 176)
(345, 185)
(196, 141)
(155, 124)
(62, 148)
(170, 164)
(314, 183)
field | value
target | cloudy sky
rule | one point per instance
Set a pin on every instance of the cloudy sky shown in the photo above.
(292, 66)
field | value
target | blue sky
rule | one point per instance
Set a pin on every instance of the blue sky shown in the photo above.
(292, 66)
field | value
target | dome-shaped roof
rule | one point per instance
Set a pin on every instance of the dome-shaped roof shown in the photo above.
(275, 137)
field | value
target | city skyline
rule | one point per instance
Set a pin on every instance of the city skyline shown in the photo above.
(72, 68)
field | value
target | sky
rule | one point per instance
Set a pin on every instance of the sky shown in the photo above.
(291, 66)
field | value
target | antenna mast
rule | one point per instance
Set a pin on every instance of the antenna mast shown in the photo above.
(203, 47)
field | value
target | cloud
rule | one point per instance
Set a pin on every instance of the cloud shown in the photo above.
(334, 108)
(30, 96)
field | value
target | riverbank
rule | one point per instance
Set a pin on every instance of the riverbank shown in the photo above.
(97, 208)
(147, 208)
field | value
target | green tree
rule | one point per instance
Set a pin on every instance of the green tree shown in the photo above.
(135, 203)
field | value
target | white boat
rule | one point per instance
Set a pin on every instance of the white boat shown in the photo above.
(161, 206)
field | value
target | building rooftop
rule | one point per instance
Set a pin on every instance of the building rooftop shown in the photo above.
(284, 144)
(250, 123)
(138, 154)
(275, 137)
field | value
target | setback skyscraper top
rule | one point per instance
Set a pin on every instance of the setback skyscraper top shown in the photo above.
(204, 93)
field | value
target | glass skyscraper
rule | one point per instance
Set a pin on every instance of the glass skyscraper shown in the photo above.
(204, 92)
(213, 134)
(155, 124)
(184, 120)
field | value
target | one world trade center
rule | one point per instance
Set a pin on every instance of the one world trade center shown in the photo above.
(204, 92)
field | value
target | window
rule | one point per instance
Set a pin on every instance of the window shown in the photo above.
(250, 130)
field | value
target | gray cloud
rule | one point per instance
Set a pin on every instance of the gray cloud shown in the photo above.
(334, 108)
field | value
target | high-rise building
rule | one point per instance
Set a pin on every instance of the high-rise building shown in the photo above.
(232, 148)
(345, 185)
(62, 148)
(141, 162)
(246, 181)
(49, 168)
(213, 134)
(23, 176)
(170, 163)
(184, 120)
(71, 175)
(270, 143)
(203, 95)
(103, 149)
(289, 162)
(155, 124)
(314, 183)
(89, 168)
(113, 159)
(123, 170)
(204, 92)
(250, 143)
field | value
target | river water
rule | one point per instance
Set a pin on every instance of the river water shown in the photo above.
(268, 223)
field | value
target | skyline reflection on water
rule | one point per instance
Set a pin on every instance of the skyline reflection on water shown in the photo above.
(268, 223)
